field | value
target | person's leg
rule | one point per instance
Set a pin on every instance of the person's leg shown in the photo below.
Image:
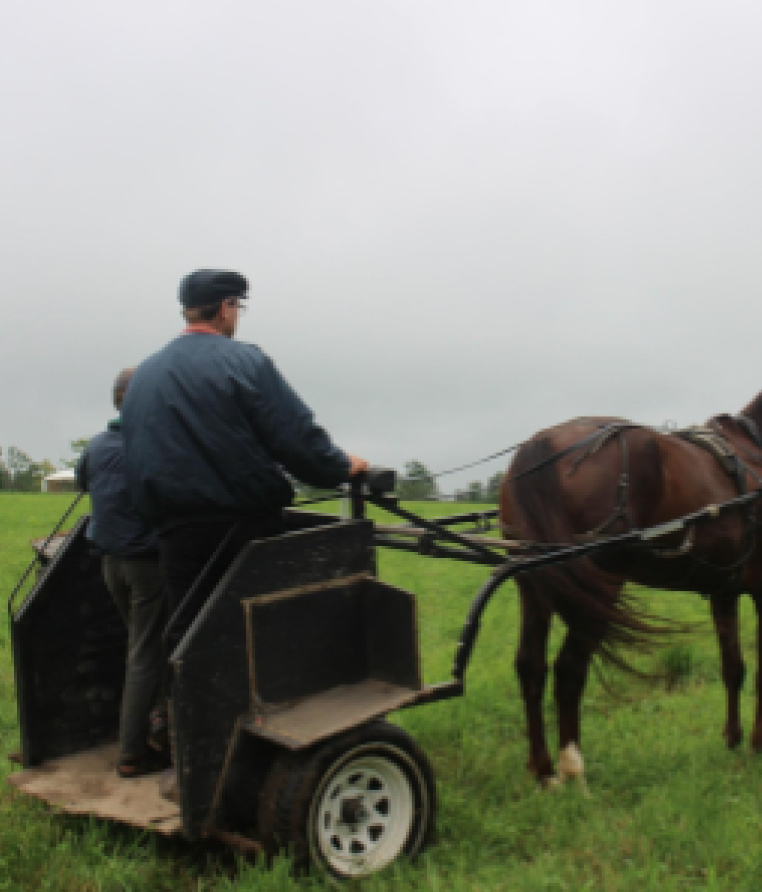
(195, 559)
(111, 568)
(146, 663)
(185, 552)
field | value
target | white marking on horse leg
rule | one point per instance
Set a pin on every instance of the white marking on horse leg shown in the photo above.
(571, 764)
(552, 783)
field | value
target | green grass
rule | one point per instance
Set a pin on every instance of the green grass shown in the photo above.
(671, 808)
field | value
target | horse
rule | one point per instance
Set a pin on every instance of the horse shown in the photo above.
(593, 477)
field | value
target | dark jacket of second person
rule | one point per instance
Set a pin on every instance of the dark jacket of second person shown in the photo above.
(210, 424)
(114, 527)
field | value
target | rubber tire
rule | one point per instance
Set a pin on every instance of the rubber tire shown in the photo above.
(296, 778)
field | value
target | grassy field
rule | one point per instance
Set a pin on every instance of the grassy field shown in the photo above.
(671, 808)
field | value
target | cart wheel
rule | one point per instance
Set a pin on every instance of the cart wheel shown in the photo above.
(352, 804)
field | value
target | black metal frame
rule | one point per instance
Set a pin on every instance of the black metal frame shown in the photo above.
(40, 552)
(69, 644)
(509, 567)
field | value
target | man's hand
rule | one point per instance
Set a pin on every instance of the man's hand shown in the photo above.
(357, 465)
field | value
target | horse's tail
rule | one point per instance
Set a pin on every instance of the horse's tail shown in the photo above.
(591, 601)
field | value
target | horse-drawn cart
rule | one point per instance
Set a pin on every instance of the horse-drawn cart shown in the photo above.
(279, 693)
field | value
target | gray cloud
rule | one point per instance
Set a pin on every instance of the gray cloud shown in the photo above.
(461, 222)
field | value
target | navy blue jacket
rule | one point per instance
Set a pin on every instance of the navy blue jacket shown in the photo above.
(114, 526)
(209, 425)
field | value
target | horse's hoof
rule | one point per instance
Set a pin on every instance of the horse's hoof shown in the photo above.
(732, 738)
(571, 764)
(540, 767)
(551, 783)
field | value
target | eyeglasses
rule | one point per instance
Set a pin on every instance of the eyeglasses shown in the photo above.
(238, 304)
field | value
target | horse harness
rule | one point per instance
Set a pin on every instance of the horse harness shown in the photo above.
(621, 510)
(712, 439)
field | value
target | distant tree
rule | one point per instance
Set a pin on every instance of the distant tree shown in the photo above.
(5, 476)
(493, 487)
(476, 491)
(18, 463)
(47, 467)
(27, 474)
(77, 447)
(417, 482)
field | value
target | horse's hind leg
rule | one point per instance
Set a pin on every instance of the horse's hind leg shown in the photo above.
(532, 670)
(725, 616)
(756, 735)
(571, 670)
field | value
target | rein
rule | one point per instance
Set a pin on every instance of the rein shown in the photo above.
(472, 464)
(747, 423)
(557, 456)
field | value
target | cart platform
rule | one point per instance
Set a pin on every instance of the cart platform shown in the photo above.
(330, 712)
(87, 784)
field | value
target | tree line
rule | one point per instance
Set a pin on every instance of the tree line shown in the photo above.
(19, 472)
(418, 483)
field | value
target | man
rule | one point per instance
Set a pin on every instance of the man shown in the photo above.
(133, 576)
(209, 425)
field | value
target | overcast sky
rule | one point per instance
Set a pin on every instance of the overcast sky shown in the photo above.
(461, 221)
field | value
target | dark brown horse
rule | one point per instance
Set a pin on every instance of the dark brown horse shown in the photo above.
(622, 477)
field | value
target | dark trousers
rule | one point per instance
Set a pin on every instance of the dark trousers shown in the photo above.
(137, 587)
(186, 551)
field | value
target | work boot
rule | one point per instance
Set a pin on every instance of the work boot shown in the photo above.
(158, 735)
(168, 787)
(149, 763)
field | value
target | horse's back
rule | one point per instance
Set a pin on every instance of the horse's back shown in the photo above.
(642, 475)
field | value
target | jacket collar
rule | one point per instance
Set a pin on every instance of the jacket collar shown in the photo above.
(200, 328)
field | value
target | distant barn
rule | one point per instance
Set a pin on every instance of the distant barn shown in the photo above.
(61, 481)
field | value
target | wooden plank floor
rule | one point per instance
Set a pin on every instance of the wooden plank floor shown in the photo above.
(87, 784)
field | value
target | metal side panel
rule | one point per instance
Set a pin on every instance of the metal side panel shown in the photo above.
(309, 639)
(69, 645)
(211, 679)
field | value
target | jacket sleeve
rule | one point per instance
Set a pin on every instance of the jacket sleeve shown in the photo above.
(80, 471)
(287, 429)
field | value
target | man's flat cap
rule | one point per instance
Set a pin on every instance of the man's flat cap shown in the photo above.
(206, 287)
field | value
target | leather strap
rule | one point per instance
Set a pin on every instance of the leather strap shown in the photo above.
(557, 456)
(750, 426)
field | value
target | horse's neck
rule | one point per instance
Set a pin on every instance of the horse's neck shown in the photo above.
(754, 411)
